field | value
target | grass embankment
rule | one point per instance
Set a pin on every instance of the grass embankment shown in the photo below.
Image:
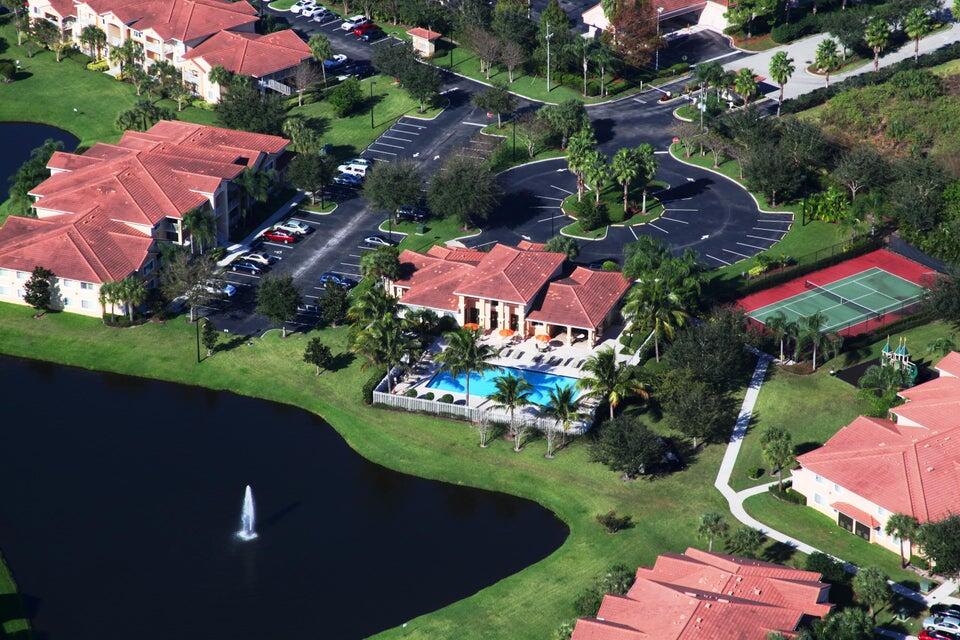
(435, 231)
(13, 621)
(802, 239)
(66, 95)
(612, 198)
(665, 510)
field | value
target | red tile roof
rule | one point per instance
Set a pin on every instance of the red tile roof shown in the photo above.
(511, 275)
(904, 469)
(147, 176)
(708, 596)
(182, 20)
(583, 300)
(426, 34)
(950, 364)
(87, 246)
(859, 515)
(250, 54)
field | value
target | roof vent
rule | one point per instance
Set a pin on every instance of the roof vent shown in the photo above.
(929, 469)
(699, 620)
(723, 600)
(708, 605)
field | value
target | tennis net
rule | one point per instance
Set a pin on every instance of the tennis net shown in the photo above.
(838, 298)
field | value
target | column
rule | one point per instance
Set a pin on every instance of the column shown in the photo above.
(569, 336)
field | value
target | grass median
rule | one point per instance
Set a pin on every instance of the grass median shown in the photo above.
(665, 510)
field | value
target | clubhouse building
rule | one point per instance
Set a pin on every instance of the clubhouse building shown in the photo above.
(101, 213)
(908, 463)
(699, 595)
(524, 289)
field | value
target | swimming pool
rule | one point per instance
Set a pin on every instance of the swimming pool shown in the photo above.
(482, 384)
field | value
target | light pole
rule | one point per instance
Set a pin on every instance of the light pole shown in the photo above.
(657, 63)
(197, 323)
(514, 121)
(547, 37)
(371, 104)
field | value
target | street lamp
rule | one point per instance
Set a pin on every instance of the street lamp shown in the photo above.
(514, 121)
(657, 63)
(371, 104)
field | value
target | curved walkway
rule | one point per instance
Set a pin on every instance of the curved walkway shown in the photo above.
(735, 499)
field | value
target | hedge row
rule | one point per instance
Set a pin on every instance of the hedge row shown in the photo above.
(371, 384)
(817, 97)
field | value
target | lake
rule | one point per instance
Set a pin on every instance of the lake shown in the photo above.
(120, 497)
(18, 139)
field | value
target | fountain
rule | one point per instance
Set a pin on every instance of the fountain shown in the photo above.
(247, 518)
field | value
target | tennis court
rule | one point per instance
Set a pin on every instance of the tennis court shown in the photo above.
(849, 301)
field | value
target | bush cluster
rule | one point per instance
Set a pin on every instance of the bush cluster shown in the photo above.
(614, 523)
(372, 383)
(788, 495)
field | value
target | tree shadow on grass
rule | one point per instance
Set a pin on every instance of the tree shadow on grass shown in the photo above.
(341, 361)
(779, 552)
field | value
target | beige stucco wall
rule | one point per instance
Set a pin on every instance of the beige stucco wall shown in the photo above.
(70, 295)
(821, 493)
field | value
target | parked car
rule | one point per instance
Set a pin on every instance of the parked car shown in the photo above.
(360, 69)
(352, 23)
(322, 15)
(363, 162)
(338, 60)
(294, 226)
(279, 235)
(224, 289)
(337, 279)
(379, 241)
(349, 180)
(372, 35)
(258, 257)
(363, 28)
(411, 212)
(310, 12)
(356, 169)
(938, 622)
(300, 5)
(935, 635)
(311, 309)
(249, 268)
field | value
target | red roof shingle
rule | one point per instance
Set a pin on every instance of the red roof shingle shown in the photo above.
(182, 20)
(583, 300)
(250, 54)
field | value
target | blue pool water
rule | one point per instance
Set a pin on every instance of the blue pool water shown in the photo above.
(482, 384)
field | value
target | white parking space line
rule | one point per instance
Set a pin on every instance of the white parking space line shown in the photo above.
(410, 124)
(307, 295)
(344, 273)
(773, 230)
(549, 198)
(351, 264)
(786, 222)
(552, 206)
(675, 209)
(658, 228)
(387, 144)
(674, 220)
(275, 244)
(639, 100)
(352, 255)
(396, 138)
(553, 186)
(742, 255)
(763, 238)
(389, 153)
(661, 152)
(474, 124)
(306, 222)
(552, 218)
(406, 133)
(752, 246)
(634, 233)
(380, 40)
(720, 260)
(329, 22)
(245, 275)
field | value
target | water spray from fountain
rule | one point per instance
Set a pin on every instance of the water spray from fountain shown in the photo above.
(247, 517)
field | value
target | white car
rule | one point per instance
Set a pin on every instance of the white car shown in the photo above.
(310, 12)
(356, 169)
(942, 623)
(379, 241)
(352, 23)
(295, 227)
(299, 6)
(365, 162)
(257, 257)
(322, 15)
(224, 289)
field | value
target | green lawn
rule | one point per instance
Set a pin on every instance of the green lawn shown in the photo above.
(756, 43)
(802, 239)
(67, 95)
(435, 231)
(13, 622)
(351, 134)
(818, 530)
(612, 197)
(665, 510)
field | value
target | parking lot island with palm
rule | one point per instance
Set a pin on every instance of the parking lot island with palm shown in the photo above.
(475, 241)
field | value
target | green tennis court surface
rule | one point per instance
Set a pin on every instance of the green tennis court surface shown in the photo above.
(848, 301)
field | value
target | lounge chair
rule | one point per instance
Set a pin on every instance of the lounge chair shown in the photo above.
(567, 363)
(537, 359)
(506, 354)
(579, 364)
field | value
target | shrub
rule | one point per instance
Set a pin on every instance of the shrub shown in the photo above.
(674, 70)
(591, 215)
(410, 393)
(200, 103)
(588, 602)
(564, 631)
(8, 71)
(427, 396)
(446, 398)
(346, 97)
(808, 25)
(788, 495)
(610, 265)
(372, 383)
(755, 473)
(99, 65)
(920, 562)
(217, 253)
(829, 568)
(613, 523)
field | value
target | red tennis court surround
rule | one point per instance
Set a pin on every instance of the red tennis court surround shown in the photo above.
(882, 259)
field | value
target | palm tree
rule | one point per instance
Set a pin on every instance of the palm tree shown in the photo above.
(93, 38)
(811, 330)
(917, 25)
(578, 146)
(383, 342)
(902, 526)
(465, 355)
(321, 50)
(423, 323)
(564, 408)
(604, 59)
(883, 381)
(652, 306)
(781, 329)
(877, 37)
(712, 525)
(370, 305)
(745, 84)
(133, 292)
(107, 296)
(626, 168)
(582, 49)
(596, 171)
(942, 346)
(826, 58)
(781, 68)
(610, 381)
(647, 161)
(776, 447)
(199, 224)
(513, 392)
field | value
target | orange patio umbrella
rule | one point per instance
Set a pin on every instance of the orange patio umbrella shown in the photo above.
(506, 333)
(473, 326)
(542, 337)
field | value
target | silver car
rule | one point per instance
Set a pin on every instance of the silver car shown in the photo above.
(295, 227)
(939, 622)
(257, 257)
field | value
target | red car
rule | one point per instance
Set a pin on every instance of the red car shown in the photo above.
(363, 28)
(934, 635)
(279, 235)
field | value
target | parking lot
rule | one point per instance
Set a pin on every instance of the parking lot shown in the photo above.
(342, 41)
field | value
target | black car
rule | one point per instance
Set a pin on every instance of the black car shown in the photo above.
(411, 212)
(244, 266)
(359, 69)
(371, 35)
(337, 279)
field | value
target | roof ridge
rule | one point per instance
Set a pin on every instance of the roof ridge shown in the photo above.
(921, 488)
(156, 184)
(102, 272)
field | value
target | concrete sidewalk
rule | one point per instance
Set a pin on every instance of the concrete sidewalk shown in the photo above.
(803, 52)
